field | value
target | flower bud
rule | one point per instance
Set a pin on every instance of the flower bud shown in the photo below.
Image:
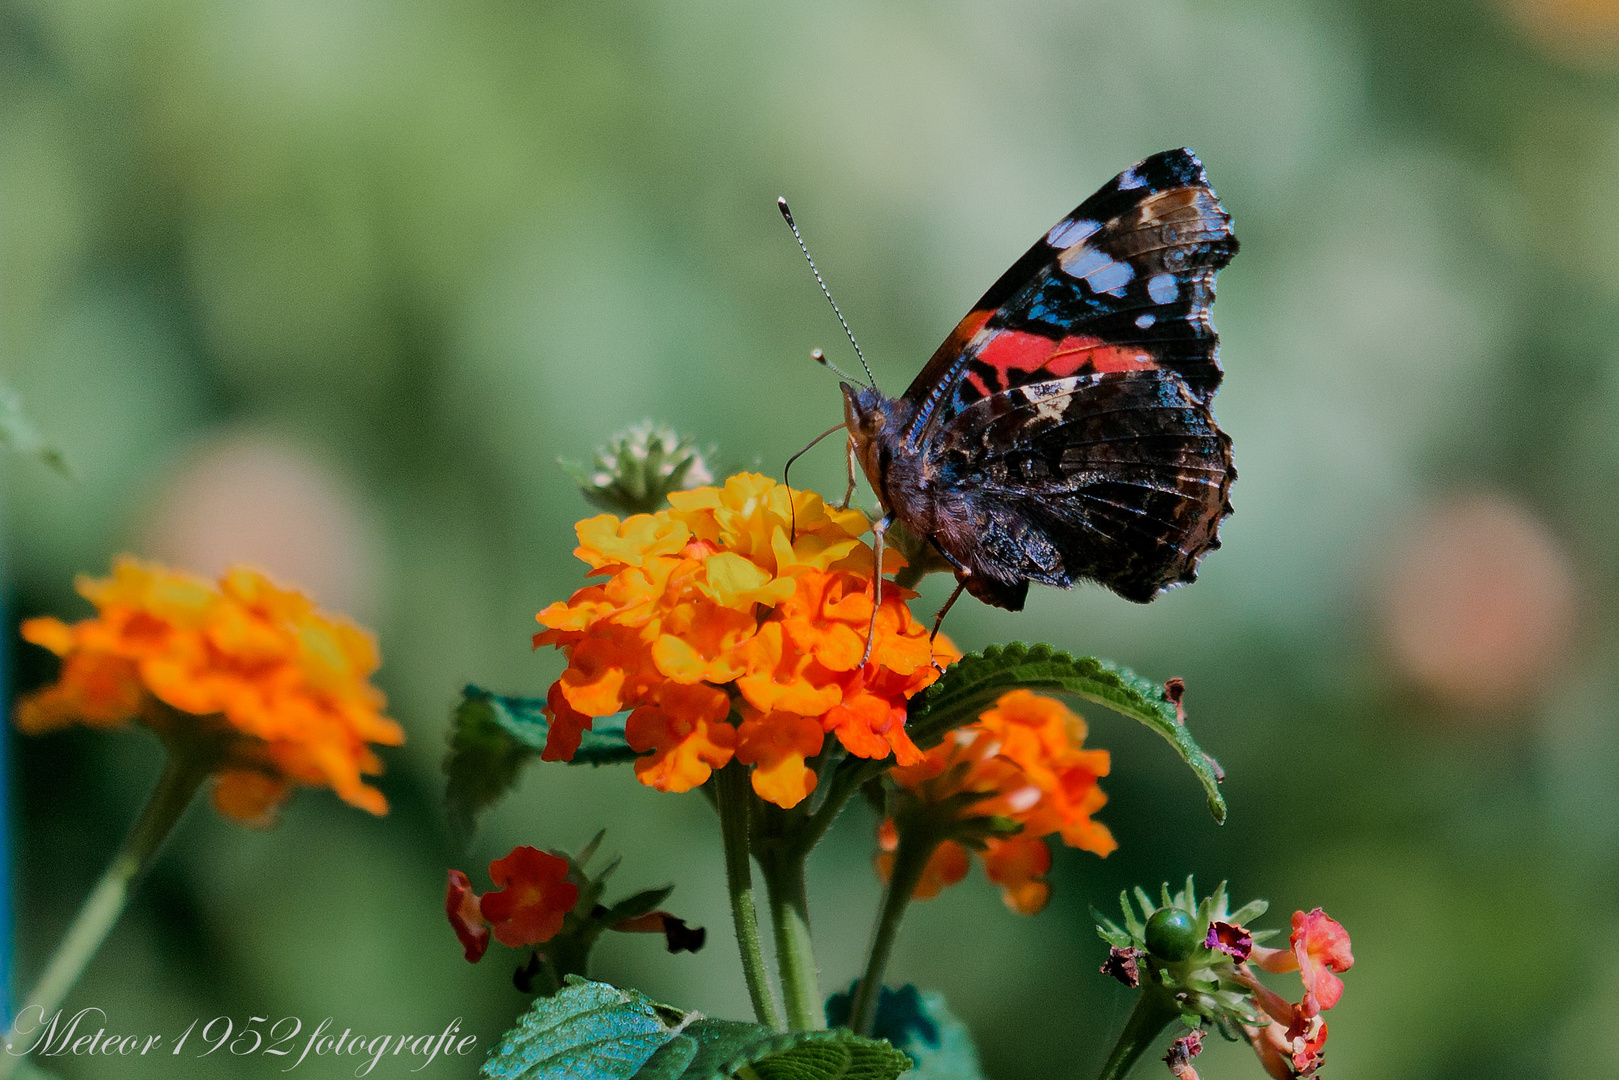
(1172, 934)
(638, 468)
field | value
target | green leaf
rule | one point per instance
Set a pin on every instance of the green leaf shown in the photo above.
(482, 764)
(593, 1031)
(524, 718)
(493, 736)
(18, 433)
(587, 1031)
(718, 1049)
(919, 1025)
(977, 680)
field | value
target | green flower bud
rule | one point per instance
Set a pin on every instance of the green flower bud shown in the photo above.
(1172, 934)
(638, 468)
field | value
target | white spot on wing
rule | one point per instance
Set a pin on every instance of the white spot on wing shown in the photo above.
(1129, 180)
(1050, 401)
(1146, 320)
(1066, 234)
(1103, 273)
(1163, 288)
(1083, 262)
(1112, 278)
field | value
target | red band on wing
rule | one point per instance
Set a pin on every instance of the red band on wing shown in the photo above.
(1017, 358)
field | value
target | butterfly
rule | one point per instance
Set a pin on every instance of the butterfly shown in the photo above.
(1064, 430)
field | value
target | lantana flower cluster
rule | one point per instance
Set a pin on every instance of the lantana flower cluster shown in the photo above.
(1026, 762)
(281, 687)
(732, 625)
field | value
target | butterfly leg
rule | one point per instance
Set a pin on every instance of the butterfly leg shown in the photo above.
(849, 493)
(938, 620)
(879, 529)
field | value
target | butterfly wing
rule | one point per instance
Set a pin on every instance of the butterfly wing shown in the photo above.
(1065, 425)
(1124, 283)
(1119, 477)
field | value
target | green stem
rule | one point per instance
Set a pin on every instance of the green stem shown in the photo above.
(731, 798)
(846, 780)
(1154, 1010)
(795, 955)
(916, 847)
(182, 775)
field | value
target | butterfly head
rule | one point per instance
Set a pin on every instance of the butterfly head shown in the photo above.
(865, 410)
(873, 419)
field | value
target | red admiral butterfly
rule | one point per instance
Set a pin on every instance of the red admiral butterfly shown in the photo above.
(1064, 430)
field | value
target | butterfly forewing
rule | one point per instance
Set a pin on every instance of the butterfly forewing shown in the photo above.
(1123, 283)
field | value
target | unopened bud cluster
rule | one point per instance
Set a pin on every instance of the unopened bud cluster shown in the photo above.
(638, 468)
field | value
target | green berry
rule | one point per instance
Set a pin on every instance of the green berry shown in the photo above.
(1172, 934)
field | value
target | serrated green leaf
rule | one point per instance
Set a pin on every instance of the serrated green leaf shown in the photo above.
(719, 1049)
(825, 1055)
(492, 737)
(922, 1027)
(525, 719)
(482, 764)
(587, 1031)
(977, 680)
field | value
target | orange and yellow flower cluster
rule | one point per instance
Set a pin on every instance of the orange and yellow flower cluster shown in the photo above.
(1026, 760)
(733, 625)
(285, 686)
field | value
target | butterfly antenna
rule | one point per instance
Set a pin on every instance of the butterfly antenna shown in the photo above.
(781, 204)
(820, 358)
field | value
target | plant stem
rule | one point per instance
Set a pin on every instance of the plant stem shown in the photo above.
(182, 775)
(731, 797)
(795, 954)
(916, 847)
(1154, 1010)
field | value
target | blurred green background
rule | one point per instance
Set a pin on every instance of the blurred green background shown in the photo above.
(329, 285)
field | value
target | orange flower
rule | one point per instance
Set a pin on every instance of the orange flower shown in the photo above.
(283, 686)
(533, 896)
(1293, 1042)
(727, 632)
(686, 732)
(1025, 761)
(1318, 948)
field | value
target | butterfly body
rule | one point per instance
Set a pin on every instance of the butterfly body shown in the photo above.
(1064, 429)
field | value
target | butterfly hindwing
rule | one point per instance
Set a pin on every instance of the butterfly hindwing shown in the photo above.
(1124, 283)
(1119, 477)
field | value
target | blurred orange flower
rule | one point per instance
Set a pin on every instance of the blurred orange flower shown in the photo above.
(732, 625)
(1025, 760)
(282, 688)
